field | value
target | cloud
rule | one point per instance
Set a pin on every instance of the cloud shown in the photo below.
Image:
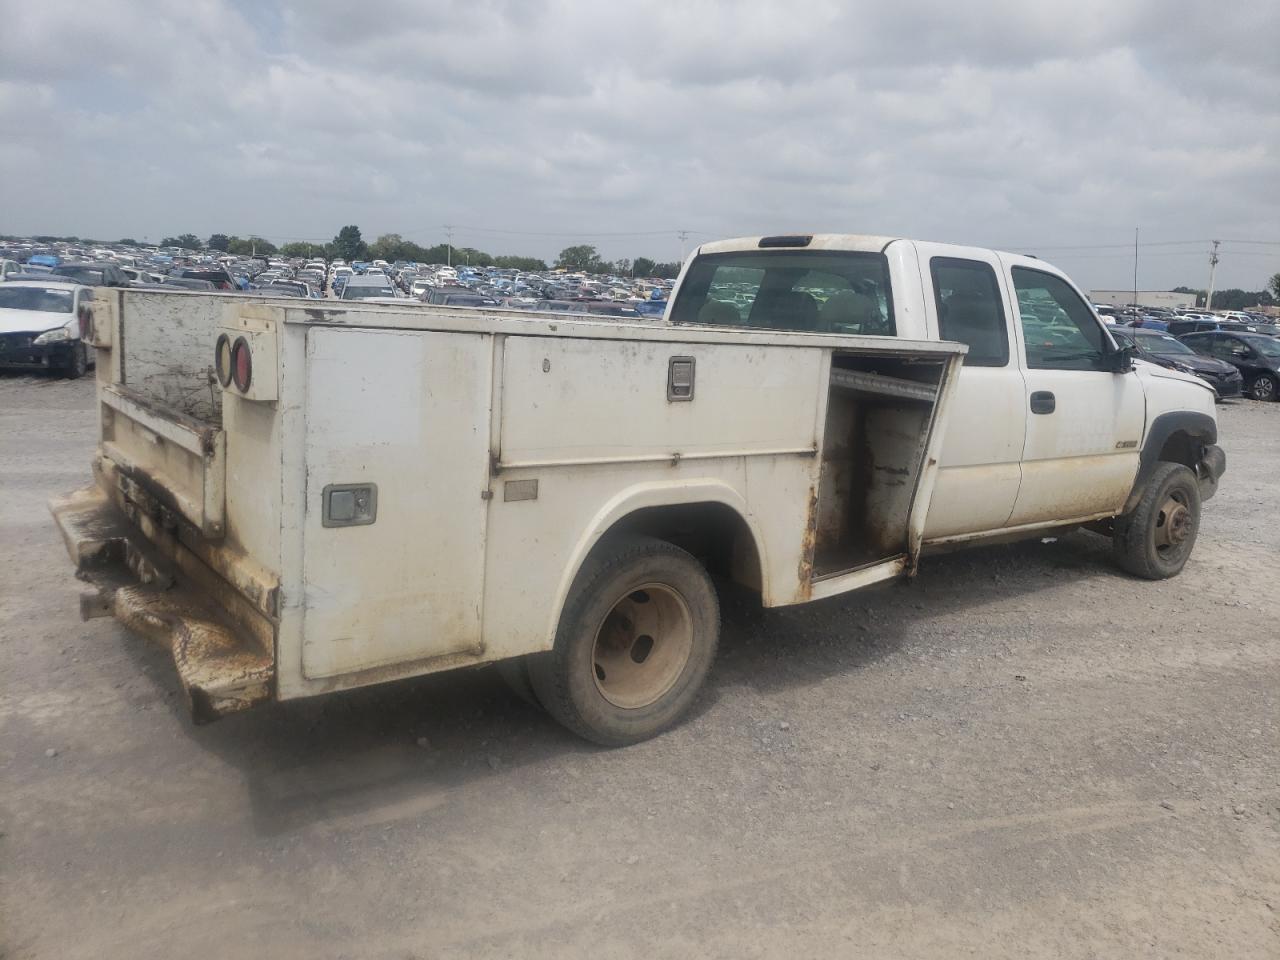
(994, 122)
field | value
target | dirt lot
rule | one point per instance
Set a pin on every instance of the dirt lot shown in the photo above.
(1023, 753)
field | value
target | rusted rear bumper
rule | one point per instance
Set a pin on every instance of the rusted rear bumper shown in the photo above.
(221, 668)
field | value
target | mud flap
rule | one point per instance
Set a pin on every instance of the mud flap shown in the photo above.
(1212, 465)
(220, 670)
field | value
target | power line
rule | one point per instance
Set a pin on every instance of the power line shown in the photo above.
(1102, 246)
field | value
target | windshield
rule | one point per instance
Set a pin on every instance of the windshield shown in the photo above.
(35, 298)
(821, 290)
(1163, 346)
(363, 293)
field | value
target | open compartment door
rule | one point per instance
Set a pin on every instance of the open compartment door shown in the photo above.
(884, 421)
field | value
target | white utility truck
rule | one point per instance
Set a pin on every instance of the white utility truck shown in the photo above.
(299, 497)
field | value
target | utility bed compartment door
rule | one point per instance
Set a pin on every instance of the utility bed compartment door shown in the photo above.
(407, 412)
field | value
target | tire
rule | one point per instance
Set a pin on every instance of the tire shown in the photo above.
(1263, 387)
(78, 365)
(1155, 539)
(515, 674)
(636, 640)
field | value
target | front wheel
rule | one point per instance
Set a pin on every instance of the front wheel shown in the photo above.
(1263, 387)
(1155, 539)
(78, 363)
(636, 640)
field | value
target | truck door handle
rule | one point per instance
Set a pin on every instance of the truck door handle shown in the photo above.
(1042, 401)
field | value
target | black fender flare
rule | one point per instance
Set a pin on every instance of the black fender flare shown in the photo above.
(1200, 427)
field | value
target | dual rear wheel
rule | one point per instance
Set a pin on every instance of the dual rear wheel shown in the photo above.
(636, 640)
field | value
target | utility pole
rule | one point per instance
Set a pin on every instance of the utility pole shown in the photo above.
(683, 235)
(1213, 266)
(448, 232)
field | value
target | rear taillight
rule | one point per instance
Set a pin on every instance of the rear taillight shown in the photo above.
(222, 359)
(241, 365)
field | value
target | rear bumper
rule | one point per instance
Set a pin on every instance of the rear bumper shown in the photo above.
(1212, 465)
(221, 668)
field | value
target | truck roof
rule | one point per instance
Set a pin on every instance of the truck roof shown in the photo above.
(857, 242)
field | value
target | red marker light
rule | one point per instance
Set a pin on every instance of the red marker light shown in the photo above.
(241, 365)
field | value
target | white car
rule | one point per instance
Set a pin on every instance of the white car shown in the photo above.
(40, 326)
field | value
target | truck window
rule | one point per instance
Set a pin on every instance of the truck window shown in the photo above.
(968, 299)
(1059, 328)
(828, 291)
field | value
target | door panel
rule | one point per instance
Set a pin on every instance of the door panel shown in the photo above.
(1081, 458)
(978, 471)
(408, 412)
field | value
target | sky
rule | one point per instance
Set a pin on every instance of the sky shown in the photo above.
(529, 125)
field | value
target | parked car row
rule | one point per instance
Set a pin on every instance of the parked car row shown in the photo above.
(1232, 362)
(1180, 322)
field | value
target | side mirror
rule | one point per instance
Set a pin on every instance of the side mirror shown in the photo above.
(1120, 360)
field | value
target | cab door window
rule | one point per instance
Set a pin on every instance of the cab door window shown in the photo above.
(1059, 329)
(967, 296)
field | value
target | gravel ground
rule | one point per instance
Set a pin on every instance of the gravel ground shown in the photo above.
(1024, 753)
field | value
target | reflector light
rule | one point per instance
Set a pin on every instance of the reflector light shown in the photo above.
(241, 364)
(222, 359)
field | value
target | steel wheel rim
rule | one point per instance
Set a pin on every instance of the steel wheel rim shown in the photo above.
(1174, 523)
(642, 646)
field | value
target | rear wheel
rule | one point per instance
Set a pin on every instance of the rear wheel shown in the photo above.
(1263, 387)
(636, 640)
(1155, 539)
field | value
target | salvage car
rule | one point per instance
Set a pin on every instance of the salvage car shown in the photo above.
(1160, 348)
(40, 326)
(93, 274)
(1255, 355)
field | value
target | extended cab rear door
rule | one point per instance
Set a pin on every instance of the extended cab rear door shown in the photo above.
(1084, 423)
(979, 472)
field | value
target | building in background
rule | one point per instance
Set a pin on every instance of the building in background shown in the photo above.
(1146, 298)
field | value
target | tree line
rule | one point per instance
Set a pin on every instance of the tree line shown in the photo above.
(349, 245)
(1236, 299)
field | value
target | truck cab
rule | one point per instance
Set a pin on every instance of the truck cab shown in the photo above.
(1052, 423)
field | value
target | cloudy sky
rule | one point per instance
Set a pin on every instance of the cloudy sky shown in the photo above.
(1044, 127)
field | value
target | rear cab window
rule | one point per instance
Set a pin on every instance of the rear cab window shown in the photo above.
(967, 295)
(826, 291)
